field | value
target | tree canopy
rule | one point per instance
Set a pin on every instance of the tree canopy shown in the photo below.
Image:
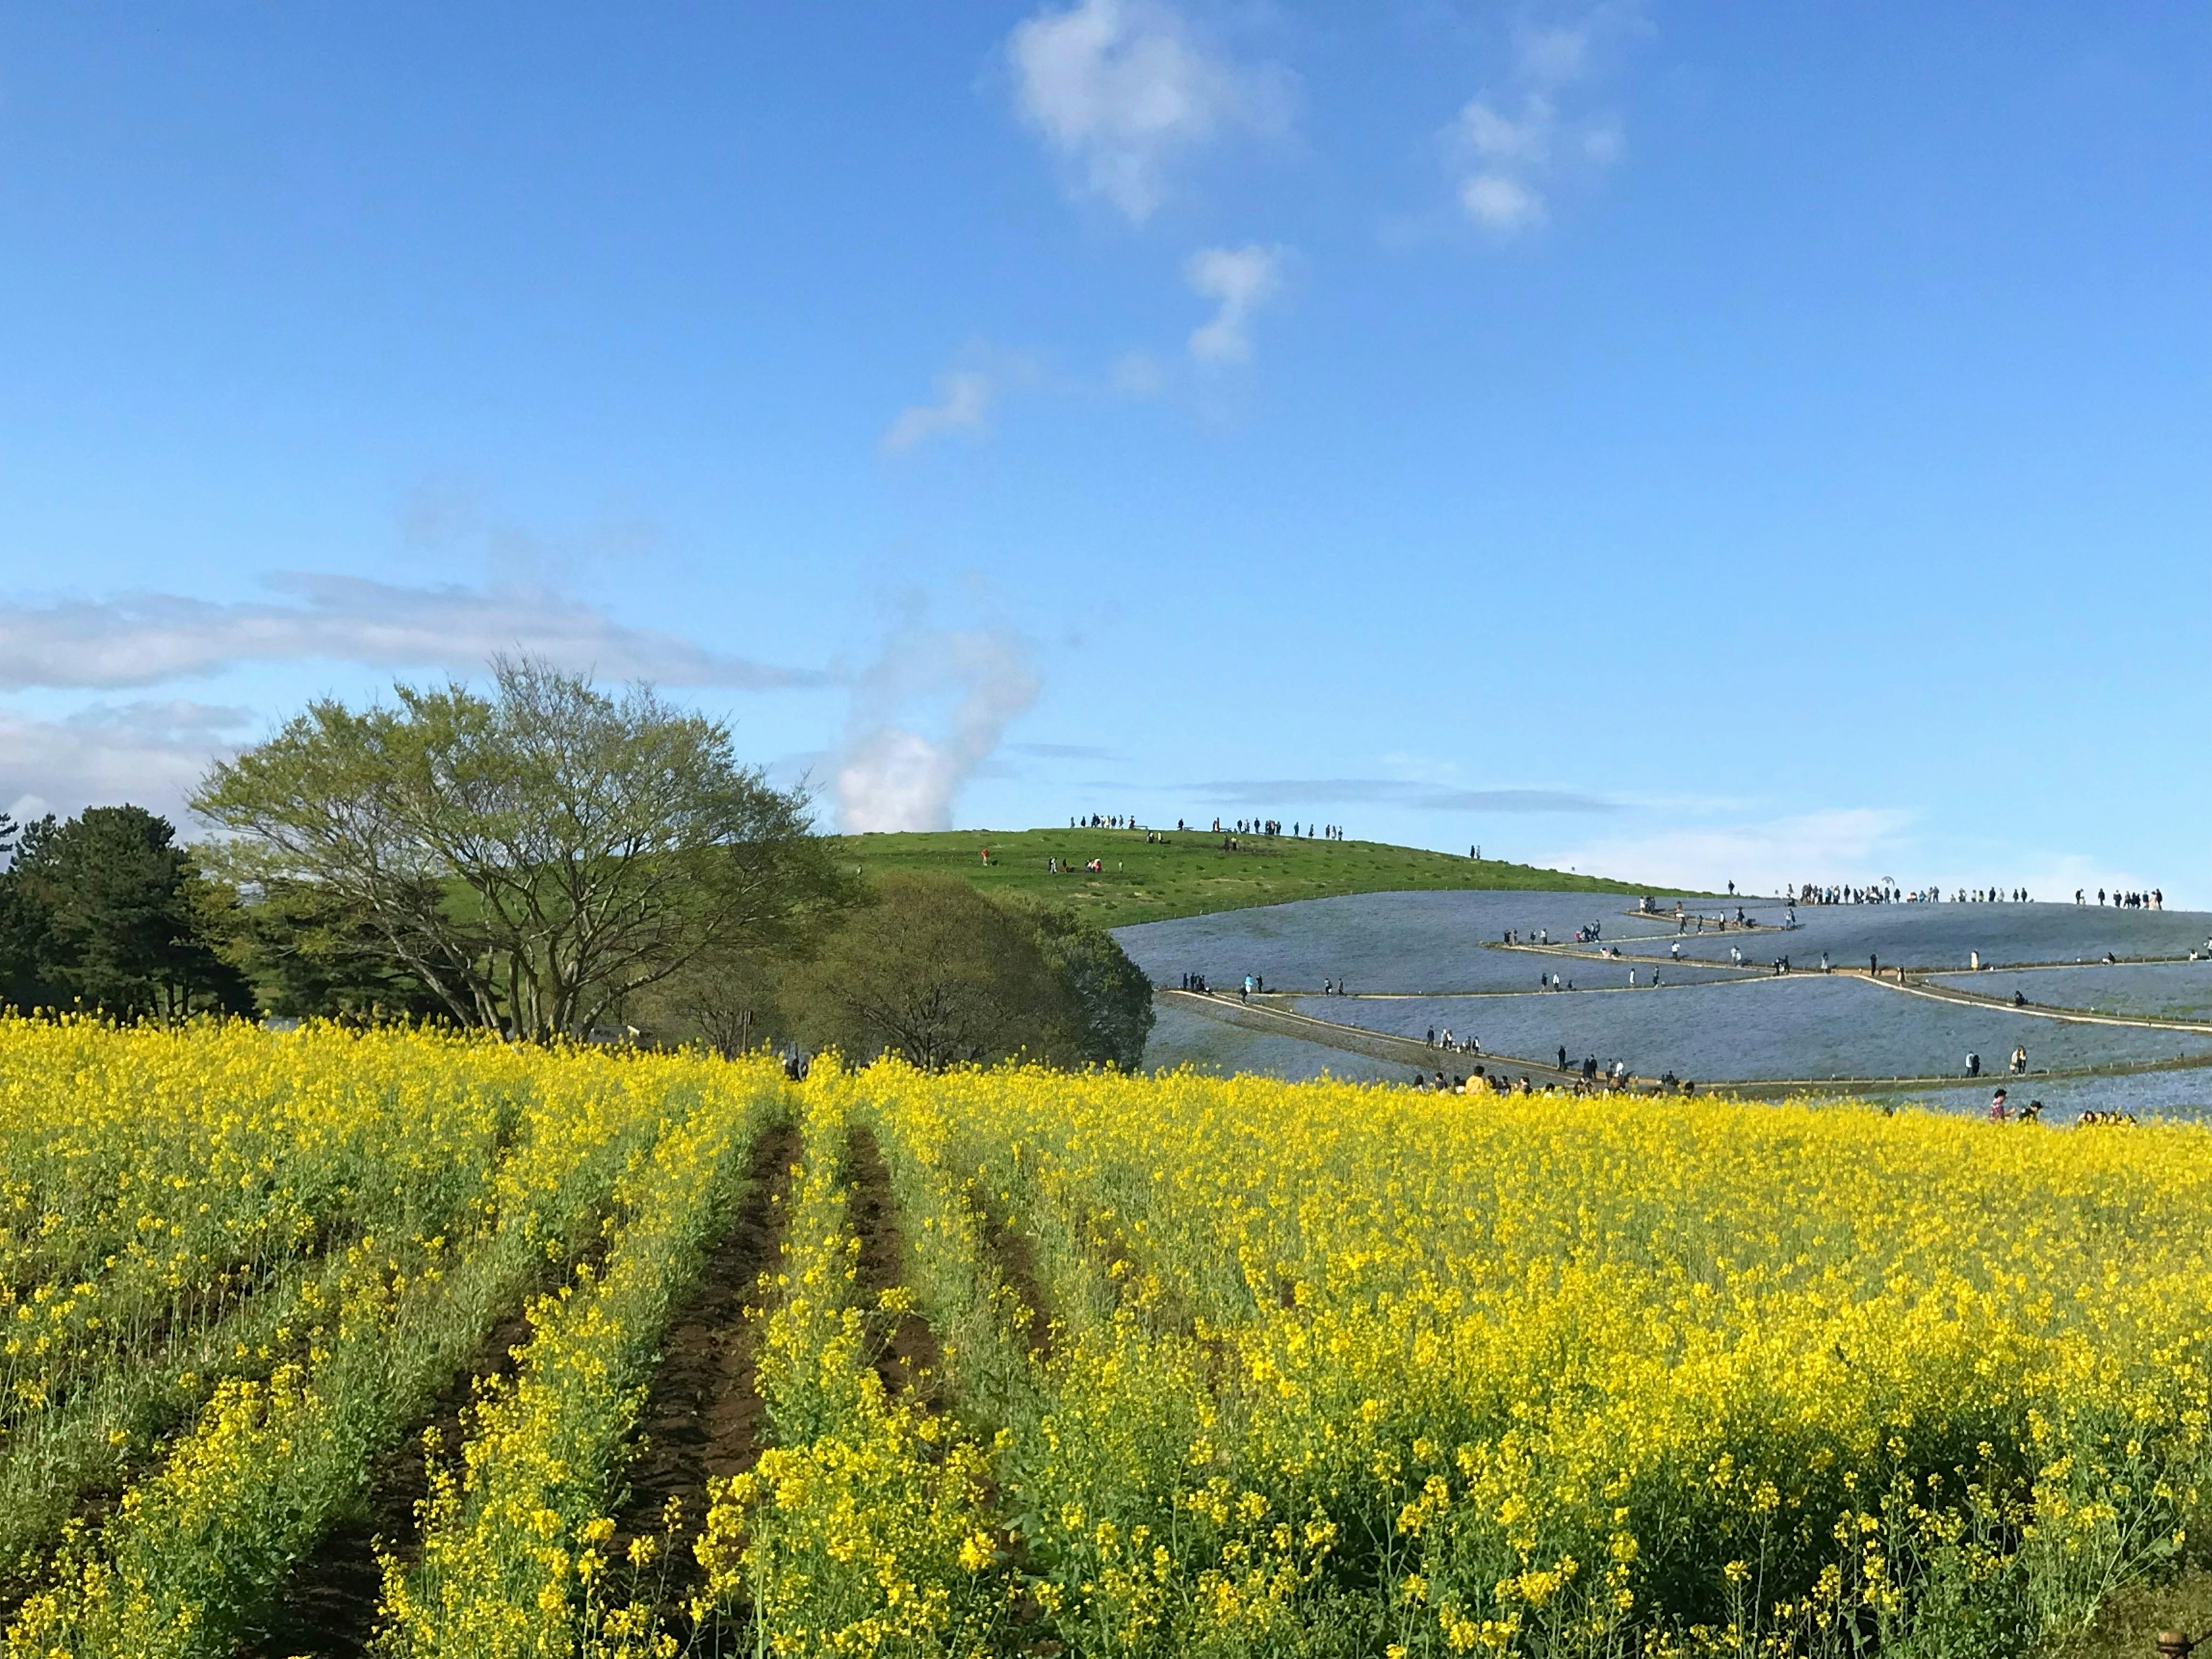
(1112, 996)
(106, 911)
(529, 857)
(934, 972)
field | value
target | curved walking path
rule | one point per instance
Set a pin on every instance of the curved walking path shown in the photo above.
(1412, 1052)
(2035, 1010)
(1889, 981)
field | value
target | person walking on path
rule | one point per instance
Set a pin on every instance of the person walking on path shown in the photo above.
(1973, 1064)
(2020, 1060)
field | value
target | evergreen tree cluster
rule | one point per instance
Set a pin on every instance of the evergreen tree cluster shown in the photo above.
(107, 913)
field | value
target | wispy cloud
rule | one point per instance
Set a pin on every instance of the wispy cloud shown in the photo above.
(965, 406)
(1507, 146)
(145, 639)
(1239, 280)
(1858, 844)
(1121, 88)
(1084, 751)
(151, 754)
(1286, 793)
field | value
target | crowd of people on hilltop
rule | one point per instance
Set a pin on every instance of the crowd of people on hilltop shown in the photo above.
(1886, 893)
(1881, 892)
(1271, 828)
(2152, 900)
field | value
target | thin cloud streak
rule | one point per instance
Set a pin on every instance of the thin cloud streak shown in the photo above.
(1839, 844)
(964, 407)
(144, 639)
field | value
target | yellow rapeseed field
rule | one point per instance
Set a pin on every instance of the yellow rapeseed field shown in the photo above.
(1209, 1366)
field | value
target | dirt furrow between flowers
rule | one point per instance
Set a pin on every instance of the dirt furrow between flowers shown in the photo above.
(329, 1607)
(1015, 1257)
(906, 1352)
(703, 1419)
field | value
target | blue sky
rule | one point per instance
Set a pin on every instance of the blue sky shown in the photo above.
(1695, 442)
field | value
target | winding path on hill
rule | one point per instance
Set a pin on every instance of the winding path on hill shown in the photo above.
(1267, 1015)
(1900, 979)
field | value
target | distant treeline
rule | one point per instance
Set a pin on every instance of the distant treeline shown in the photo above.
(550, 860)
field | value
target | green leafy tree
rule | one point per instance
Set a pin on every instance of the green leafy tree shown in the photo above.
(728, 1000)
(1112, 996)
(106, 910)
(933, 971)
(531, 858)
(308, 954)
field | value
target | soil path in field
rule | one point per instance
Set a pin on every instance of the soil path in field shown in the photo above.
(703, 1419)
(1011, 1252)
(328, 1607)
(906, 1355)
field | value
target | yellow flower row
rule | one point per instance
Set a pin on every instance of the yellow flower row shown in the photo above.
(199, 1545)
(865, 1529)
(1328, 1369)
(1538, 1375)
(514, 1548)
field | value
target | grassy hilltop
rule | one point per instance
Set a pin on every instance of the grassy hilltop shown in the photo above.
(1190, 875)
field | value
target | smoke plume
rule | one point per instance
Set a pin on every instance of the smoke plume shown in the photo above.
(967, 685)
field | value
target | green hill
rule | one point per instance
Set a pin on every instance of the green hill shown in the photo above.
(1189, 874)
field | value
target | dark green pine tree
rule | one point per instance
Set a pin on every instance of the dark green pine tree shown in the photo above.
(107, 912)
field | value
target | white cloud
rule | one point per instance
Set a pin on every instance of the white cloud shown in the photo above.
(1136, 375)
(1553, 57)
(1860, 844)
(1496, 200)
(891, 776)
(1497, 138)
(966, 405)
(1240, 280)
(144, 639)
(1508, 149)
(1120, 88)
(149, 754)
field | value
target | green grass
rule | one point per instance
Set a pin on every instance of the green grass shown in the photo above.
(1189, 874)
